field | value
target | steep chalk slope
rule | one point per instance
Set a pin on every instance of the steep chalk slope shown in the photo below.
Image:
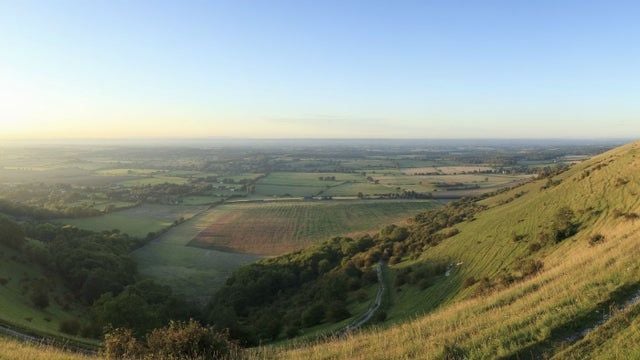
(518, 309)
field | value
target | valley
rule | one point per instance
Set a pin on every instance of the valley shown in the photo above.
(288, 258)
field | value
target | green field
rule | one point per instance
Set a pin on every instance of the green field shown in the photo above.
(451, 181)
(302, 184)
(155, 180)
(138, 221)
(274, 228)
(194, 261)
(194, 272)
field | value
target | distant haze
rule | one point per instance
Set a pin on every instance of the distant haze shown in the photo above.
(319, 69)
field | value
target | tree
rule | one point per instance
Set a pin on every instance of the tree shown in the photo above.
(11, 234)
(564, 224)
(40, 298)
(313, 315)
(71, 327)
(324, 266)
(337, 311)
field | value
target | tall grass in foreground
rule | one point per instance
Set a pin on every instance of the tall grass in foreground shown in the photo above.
(16, 350)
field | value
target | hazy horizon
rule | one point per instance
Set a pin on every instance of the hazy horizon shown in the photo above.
(282, 69)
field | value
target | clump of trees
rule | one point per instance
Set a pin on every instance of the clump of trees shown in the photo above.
(11, 234)
(99, 271)
(141, 307)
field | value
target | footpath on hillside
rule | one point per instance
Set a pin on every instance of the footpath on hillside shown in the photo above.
(373, 308)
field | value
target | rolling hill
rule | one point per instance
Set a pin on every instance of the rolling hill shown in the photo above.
(548, 269)
(492, 307)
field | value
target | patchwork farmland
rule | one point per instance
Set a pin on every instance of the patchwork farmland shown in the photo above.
(279, 227)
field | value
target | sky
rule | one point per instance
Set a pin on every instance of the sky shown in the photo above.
(319, 69)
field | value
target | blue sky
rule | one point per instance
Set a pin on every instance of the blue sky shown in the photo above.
(424, 69)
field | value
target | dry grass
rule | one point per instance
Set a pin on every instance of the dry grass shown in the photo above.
(16, 350)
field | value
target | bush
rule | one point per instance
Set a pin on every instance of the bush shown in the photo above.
(534, 247)
(40, 298)
(517, 237)
(564, 224)
(337, 311)
(178, 340)
(291, 332)
(484, 286)
(121, 344)
(530, 267)
(313, 315)
(361, 296)
(379, 316)
(401, 279)
(424, 283)
(189, 340)
(468, 282)
(596, 239)
(91, 331)
(4, 281)
(70, 327)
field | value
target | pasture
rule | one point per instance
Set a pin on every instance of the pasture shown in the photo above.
(138, 221)
(275, 228)
(193, 272)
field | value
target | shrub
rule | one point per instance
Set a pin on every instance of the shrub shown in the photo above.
(401, 279)
(40, 298)
(596, 239)
(469, 282)
(178, 340)
(621, 181)
(424, 283)
(379, 316)
(70, 327)
(91, 331)
(530, 267)
(121, 344)
(517, 237)
(189, 340)
(361, 296)
(564, 224)
(484, 286)
(4, 281)
(337, 311)
(291, 332)
(534, 247)
(313, 315)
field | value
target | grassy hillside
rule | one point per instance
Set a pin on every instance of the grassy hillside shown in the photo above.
(18, 311)
(523, 278)
(490, 305)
